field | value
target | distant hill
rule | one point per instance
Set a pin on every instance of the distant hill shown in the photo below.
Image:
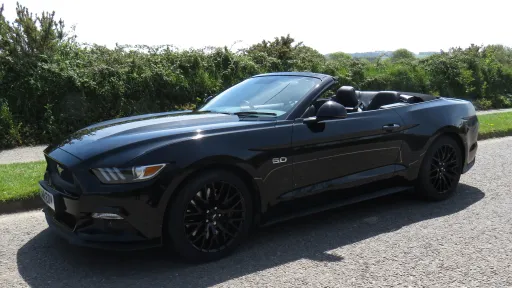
(385, 54)
(374, 54)
(426, 54)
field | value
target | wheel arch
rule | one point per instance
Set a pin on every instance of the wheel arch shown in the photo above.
(423, 183)
(450, 131)
(454, 133)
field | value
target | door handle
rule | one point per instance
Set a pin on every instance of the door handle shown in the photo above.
(390, 127)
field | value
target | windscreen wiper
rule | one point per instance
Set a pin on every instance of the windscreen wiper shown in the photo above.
(212, 111)
(254, 113)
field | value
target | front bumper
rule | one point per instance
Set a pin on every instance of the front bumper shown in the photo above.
(468, 166)
(72, 220)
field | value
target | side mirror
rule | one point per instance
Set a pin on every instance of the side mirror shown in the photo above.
(331, 110)
(328, 111)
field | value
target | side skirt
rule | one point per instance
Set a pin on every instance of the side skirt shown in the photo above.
(338, 204)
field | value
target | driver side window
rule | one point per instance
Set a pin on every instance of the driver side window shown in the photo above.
(315, 105)
(329, 93)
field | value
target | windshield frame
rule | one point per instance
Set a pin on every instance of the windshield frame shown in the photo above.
(283, 116)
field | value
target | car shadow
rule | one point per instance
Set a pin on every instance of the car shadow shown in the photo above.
(46, 260)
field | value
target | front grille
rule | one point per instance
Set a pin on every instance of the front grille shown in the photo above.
(62, 171)
(60, 178)
(67, 176)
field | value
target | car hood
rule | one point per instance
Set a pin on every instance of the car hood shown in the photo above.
(162, 128)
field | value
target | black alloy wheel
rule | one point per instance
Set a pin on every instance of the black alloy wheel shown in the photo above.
(214, 216)
(444, 168)
(440, 169)
(210, 216)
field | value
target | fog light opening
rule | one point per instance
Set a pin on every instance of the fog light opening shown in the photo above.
(108, 216)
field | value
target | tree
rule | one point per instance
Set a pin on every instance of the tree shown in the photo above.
(30, 35)
(338, 57)
(402, 54)
(281, 49)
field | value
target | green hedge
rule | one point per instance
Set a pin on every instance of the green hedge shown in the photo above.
(50, 85)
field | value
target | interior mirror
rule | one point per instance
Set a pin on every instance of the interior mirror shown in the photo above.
(331, 110)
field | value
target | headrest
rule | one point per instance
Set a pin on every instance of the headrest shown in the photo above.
(383, 98)
(346, 96)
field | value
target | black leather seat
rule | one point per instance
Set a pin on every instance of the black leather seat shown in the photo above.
(347, 97)
(383, 98)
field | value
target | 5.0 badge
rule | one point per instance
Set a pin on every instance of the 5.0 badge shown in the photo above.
(279, 160)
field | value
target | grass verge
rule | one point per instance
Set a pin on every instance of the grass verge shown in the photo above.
(495, 125)
(18, 181)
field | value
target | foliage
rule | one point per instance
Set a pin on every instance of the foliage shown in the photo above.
(483, 104)
(402, 55)
(10, 131)
(50, 85)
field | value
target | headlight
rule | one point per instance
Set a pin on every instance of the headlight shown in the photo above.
(127, 175)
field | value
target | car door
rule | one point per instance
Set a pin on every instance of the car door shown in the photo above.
(333, 154)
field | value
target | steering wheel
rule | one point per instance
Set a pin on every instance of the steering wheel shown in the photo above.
(248, 103)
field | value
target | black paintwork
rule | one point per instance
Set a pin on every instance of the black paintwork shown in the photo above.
(340, 161)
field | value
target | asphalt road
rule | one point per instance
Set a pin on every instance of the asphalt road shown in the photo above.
(22, 154)
(394, 241)
(493, 111)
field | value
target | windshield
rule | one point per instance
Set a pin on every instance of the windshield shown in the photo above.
(269, 95)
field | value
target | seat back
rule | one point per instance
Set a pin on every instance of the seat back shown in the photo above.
(383, 98)
(347, 97)
(365, 97)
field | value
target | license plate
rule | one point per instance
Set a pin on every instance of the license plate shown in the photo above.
(47, 197)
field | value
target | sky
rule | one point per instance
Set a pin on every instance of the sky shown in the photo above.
(328, 26)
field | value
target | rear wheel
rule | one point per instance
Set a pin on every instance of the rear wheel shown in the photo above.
(441, 169)
(210, 217)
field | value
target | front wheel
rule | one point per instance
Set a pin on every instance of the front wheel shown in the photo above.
(440, 170)
(210, 217)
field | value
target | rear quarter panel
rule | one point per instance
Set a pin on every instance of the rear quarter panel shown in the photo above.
(427, 120)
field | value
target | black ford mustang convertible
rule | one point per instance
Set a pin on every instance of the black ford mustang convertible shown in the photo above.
(272, 147)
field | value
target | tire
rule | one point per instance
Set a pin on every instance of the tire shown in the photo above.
(440, 170)
(210, 217)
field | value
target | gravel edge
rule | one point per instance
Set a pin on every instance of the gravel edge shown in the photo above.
(16, 206)
(22, 154)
